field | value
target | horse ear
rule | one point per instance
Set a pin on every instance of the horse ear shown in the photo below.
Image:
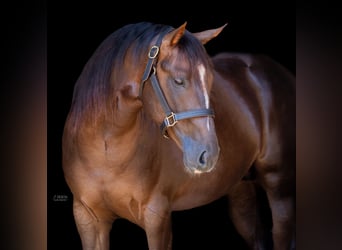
(206, 36)
(173, 37)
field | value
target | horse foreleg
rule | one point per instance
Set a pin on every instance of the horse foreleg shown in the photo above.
(157, 225)
(94, 231)
(243, 210)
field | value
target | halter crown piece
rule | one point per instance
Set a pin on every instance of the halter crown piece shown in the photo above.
(171, 117)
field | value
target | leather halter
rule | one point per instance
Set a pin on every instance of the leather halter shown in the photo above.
(171, 117)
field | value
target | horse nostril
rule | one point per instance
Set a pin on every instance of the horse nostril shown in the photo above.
(202, 158)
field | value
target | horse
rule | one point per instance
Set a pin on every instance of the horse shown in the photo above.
(157, 125)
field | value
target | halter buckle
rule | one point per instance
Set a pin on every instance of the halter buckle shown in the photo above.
(170, 120)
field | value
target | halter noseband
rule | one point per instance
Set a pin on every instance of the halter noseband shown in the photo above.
(171, 118)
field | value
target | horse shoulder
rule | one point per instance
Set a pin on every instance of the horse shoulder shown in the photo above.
(268, 90)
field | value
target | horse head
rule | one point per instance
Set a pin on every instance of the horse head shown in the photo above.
(180, 76)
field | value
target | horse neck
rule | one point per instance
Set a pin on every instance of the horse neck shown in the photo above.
(129, 143)
(129, 127)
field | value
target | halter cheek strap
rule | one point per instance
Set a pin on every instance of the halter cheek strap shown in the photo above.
(171, 118)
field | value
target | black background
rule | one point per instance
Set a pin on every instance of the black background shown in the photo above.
(75, 31)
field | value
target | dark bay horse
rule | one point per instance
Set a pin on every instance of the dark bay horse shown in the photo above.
(156, 126)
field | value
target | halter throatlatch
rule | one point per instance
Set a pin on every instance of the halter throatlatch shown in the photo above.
(150, 72)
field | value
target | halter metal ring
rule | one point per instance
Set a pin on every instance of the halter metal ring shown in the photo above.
(153, 52)
(170, 120)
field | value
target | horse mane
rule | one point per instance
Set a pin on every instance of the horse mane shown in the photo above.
(94, 87)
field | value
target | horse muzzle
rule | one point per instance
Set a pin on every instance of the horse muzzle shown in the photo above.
(199, 157)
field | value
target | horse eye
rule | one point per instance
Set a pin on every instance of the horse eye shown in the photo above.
(178, 81)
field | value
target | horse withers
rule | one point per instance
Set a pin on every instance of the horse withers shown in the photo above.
(156, 126)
